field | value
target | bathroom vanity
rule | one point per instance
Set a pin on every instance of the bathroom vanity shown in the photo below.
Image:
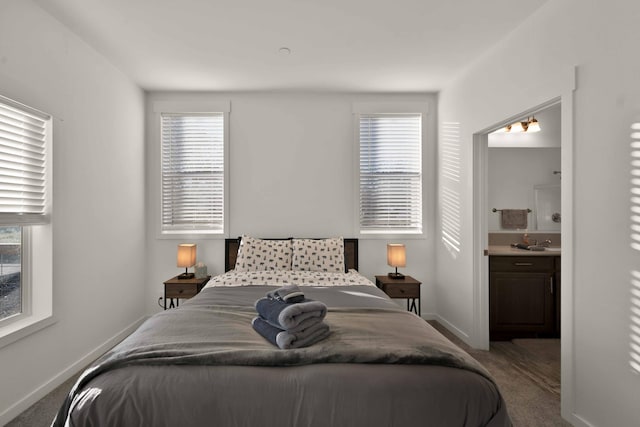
(524, 296)
(524, 289)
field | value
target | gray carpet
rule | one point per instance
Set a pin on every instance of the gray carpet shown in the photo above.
(41, 413)
(528, 374)
(526, 370)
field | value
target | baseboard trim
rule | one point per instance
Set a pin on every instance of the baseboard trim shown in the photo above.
(577, 421)
(46, 388)
(452, 328)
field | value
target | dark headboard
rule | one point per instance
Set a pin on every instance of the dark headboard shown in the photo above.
(350, 253)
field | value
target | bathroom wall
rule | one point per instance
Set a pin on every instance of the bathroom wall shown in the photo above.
(513, 173)
(520, 161)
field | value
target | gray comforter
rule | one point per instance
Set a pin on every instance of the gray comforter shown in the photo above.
(203, 364)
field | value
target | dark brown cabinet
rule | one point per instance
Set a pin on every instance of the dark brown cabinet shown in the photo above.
(523, 297)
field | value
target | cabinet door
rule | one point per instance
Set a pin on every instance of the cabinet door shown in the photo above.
(520, 303)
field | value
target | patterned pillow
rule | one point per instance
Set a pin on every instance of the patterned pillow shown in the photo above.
(263, 255)
(318, 255)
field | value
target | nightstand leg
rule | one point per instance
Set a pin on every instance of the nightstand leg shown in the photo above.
(413, 308)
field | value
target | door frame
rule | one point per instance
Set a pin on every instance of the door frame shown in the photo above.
(480, 241)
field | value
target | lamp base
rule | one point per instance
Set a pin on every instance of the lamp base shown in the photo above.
(186, 276)
(396, 275)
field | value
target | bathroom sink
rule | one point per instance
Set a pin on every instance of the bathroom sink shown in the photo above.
(536, 248)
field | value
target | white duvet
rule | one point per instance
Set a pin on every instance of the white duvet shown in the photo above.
(288, 277)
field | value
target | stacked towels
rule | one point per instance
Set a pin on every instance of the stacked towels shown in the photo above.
(288, 320)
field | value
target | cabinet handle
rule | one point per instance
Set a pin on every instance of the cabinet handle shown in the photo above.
(523, 264)
(551, 284)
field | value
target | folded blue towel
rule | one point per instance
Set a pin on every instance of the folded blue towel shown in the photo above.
(287, 339)
(289, 316)
(288, 294)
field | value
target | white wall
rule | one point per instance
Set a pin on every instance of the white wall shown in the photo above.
(98, 199)
(600, 38)
(292, 174)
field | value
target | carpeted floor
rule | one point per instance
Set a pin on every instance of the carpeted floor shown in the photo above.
(526, 370)
(528, 374)
(43, 411)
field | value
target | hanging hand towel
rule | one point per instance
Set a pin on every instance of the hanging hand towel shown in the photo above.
(513, 219)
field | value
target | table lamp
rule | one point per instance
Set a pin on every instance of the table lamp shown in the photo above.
(186, 259)
(396, 257)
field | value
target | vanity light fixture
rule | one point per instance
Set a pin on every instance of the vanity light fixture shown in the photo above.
(529, 125)
(517, 127)
(533, 125)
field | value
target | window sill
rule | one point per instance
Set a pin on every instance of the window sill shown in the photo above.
(390, 236)
(191, 235)
(26, 326)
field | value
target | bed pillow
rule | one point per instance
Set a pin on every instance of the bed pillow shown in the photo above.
(318, 255)
(263, 255)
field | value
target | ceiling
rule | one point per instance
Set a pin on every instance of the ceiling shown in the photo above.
(335, 45)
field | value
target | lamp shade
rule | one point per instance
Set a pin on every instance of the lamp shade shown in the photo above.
(534, 126)
(516, 127)
(396, 256)
(186, 255)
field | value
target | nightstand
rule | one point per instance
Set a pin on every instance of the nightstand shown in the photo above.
(407, 287)
(178, 289)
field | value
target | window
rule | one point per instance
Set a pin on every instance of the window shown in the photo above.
(193, 173)
(390, 181)
(10, 272)
(24, 133)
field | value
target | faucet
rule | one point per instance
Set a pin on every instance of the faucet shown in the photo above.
(534, 242)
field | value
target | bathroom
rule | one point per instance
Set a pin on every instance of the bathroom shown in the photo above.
(523, 177)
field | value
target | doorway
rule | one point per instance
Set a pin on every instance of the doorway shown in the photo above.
(482, 212)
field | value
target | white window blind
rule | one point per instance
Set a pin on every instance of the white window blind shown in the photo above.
(391, 173)
(192, 172)
(23, 136)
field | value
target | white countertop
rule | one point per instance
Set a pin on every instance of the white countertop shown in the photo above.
(506, 250)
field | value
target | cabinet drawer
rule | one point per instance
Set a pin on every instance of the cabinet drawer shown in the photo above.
(402, 290)
(182, 290)
(521, 263)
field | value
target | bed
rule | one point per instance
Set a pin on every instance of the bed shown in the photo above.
(202, 364)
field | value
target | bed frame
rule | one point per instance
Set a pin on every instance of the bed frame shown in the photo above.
(350, 253)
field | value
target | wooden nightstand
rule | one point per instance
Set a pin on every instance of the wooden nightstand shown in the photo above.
(408, 288)
(178, 289)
